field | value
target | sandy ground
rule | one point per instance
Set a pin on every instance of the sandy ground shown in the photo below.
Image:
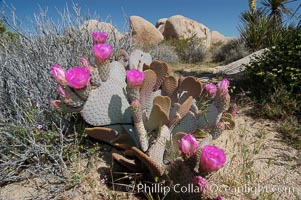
(259, 166)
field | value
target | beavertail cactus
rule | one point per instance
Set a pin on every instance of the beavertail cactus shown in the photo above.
(139, 106)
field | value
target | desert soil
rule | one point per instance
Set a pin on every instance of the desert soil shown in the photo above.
(259, 166)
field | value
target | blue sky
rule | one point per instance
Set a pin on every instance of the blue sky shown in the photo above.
(220, 15)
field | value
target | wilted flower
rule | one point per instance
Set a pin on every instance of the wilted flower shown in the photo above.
(58, 74)
(78, 77)
(61, 91)
(102, 52)
(211, 89)
(223, 85)
(99, 37)
(134, 78)
(201, 183)
(189, 145)
(212, 158)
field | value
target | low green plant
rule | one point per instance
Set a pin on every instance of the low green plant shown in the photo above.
(280, 67)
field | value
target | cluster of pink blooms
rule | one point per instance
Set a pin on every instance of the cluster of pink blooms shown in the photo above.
(76, 77)
(222, 87)
(212, 157)
(79, 77)
(101, 50)
(134, 78)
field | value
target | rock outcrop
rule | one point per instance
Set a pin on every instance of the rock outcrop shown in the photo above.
(218, 38)
(179, 26)
(144, 32)
(94, 25)
(160, 25)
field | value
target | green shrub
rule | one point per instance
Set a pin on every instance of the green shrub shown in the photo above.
(278, 67)
(229, 52)
(274, 78)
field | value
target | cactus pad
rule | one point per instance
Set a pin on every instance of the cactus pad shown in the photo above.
(106, 105)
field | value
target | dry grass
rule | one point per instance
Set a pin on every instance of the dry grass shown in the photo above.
(258, 160)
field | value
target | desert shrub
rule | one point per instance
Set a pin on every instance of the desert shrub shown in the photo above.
(274, 78)
(189, 50)
(165, 53)
(278, 67)
(229, 52)
(32, 135)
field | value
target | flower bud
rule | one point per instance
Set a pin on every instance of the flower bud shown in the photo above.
(58, 74)
(212, 158)
(189, 145)
(99, 37)
(102, 52)
(61, 91)
(78, 77)
(134, 78)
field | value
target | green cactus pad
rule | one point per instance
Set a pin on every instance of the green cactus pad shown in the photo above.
(156, 152)
(188, 124)
(118, 72)
(209, 118)
(106, 105)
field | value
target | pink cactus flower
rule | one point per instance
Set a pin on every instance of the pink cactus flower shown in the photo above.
(134, 78)
(223, 85)
(61, 91)
(58, 73)
(189, 145)
(99, 37)
(211, 89)
(201, 183)
(102, 52)
(78, 77)
(212, 158)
